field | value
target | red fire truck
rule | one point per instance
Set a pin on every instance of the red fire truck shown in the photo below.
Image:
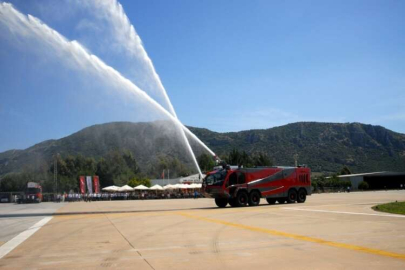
(245, 186)
(32, 193)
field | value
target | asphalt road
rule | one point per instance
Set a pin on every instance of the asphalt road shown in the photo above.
(329, 231)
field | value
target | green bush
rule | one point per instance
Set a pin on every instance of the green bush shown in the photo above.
(363, 185)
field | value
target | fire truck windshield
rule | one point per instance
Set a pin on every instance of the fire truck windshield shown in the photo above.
(216, 179)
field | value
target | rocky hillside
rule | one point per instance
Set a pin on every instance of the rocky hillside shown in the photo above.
(325, 147)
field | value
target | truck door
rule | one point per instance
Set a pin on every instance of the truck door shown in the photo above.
(241, 178)
(232, 180)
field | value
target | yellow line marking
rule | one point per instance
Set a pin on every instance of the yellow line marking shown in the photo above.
(299, 237)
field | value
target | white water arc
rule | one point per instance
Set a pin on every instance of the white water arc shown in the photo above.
(29, 26)
(124, 32)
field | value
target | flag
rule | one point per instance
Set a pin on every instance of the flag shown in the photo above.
(96, 184)
(89, 184)
(82, 185)
(163, 174)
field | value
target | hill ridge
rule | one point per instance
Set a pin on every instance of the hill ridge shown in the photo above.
(323, 146)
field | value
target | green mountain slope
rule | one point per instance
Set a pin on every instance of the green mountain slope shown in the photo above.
(325, 147)
(322, 146)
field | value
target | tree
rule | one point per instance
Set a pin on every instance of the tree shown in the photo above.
(262, 159)
(345, 171)
(234, 157)
(136, 181)
(104, 173)
(206, 162)
(131, 162)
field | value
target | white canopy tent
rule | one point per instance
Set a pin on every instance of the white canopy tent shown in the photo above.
(169, 187)
(125, 188)
(141, 187)
(156, 187)
(111, 188)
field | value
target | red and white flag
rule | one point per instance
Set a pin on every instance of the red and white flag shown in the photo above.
(82, 185)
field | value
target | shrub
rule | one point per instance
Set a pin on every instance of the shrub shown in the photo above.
(363, 185)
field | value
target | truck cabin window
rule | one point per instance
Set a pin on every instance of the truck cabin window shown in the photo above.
(216, 179)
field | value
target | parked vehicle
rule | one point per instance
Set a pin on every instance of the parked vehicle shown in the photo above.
(32, 193)
(246, 186)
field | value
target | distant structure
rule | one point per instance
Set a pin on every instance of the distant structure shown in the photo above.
(376, 180)
(191, 179)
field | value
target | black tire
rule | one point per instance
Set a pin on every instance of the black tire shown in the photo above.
(232, 202)
(254, 198)
(271, 200)
(221, 202)
(302, 196)
(292, 196)
(242, 199)
(282, 200)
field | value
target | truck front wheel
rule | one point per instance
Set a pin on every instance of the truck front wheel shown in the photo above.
(254, 198)
(221, 202)
(292, 196)
(242, 199)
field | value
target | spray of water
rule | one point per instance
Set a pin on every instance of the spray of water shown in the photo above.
(78, 56)
(126, 36)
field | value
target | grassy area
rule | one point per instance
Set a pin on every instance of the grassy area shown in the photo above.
(393, 208)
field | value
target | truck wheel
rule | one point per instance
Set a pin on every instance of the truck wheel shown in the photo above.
(254, 198)
(302, 196)
(271, 200)
(221, 202)
(242, 199)
(292, 196)
(232, 202)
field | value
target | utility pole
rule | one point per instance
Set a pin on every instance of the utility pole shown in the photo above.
(296, 160)
(55, 173)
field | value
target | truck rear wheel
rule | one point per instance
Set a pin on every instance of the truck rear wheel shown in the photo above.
(271, 200)
(292, 196)
(254, 198)
(302, 196)
(221, 202)
(242, 199)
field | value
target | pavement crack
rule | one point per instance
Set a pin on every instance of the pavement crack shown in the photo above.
(123, 236)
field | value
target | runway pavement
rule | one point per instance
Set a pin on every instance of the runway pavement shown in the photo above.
(329, 231)
(16, 218)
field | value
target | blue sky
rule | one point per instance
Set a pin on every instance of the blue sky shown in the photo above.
(226, 65)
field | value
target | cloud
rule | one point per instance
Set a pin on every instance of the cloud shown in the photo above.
(87, 25)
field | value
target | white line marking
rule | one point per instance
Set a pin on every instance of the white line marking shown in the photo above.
(340, 212)
(13, 243)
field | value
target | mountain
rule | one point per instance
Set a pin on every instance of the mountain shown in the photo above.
(324, 147)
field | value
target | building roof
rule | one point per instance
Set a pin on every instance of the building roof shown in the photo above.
(372, 174)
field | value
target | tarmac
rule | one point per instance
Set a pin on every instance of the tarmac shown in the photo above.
(328, 231)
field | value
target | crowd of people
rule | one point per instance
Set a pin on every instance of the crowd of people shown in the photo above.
(142, 195)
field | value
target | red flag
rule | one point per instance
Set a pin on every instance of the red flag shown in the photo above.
(96, 184)
(163, 174)
(82, 185)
